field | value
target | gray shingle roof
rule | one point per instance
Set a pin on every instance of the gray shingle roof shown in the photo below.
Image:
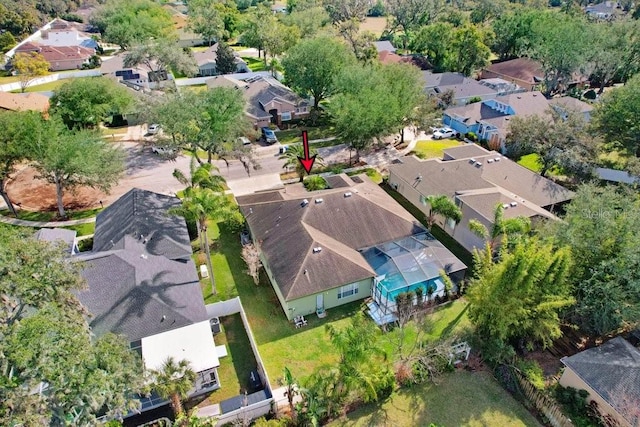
(57, 235)
(287, 233)
(611, 370)
(462, 86)
(465, 151)
(143, 213)
(384, 45)
(134, 293)
(451, 176)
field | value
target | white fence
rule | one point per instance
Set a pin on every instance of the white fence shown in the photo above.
(8, 87)
(258, 409)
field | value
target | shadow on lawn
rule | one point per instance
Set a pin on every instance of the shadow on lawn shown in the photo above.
(240, 349)
(452, 325)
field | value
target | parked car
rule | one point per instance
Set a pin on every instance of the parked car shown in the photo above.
(153, 129)
(244, 140)
(442, 133)
(163, 151)
(269, 136)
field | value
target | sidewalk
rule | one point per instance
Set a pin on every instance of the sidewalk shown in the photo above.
(42, 224)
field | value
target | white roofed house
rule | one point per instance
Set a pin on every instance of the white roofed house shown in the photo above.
(143, 284)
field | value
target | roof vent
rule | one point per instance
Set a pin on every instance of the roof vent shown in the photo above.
(513, 204)
(143, 256)
(478, 164)
(497, 159)
(347, 194)
(490, 161)
(472, 160)
(317, 250)
(505, 205)
(304, 203)
(319, 201)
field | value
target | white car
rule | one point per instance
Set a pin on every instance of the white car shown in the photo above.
(163, 151)
(442, 133)
(153, 129)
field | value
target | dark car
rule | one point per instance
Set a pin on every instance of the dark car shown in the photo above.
(269, 136)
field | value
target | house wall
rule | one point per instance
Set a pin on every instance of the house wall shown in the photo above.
(571, 379)
(71, 64)
(459, 126)
(207, 70)
(68, 37)
(307, 305)
(463, 235)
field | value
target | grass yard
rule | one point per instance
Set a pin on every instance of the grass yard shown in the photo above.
(433, 149)
(372, 173)
(375, 24)
(460, 399)
(234, 369)
(254, 64)
(530, 161)
(46, 87)
(83, 229)
(47, 216)
(290, 136)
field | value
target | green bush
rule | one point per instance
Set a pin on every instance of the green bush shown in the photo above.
(471, 136)
(532, 371)
(315, 183)
(474, 99)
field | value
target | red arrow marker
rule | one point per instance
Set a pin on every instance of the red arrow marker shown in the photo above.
(306, 162)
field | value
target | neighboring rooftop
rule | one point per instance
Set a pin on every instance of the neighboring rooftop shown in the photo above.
(614, 175)
(141, 216)
(58, 236)
(23, 102)
(571, 104)
(259, 91)
(137, 294)
(337, 220)
(523, 69)
(55, 54)
(490, 172)
(384, 46)
(612, 370)
(462, 86)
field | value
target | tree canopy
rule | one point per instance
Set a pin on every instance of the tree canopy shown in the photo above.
(312, 65)
(29, 65)
(161, 55)
(47, 345)
(127, 22)
(617, 117)
(85, 103)
(530, 285)
(73, 158)
(600, 227)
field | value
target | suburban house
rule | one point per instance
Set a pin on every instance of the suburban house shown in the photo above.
(477, 180)
(489, 120)
(566, 105)
(353, 241)
(186, 37)
(63, 44)
(268, 100)
(501, 86)
(524, 72)
(136, 78)
(384, 46)
(610, 373)
(206, 61)
(464, 88)
(61, 236)
(605, 10)
(60, 57)
(24, 102)
(143, 284)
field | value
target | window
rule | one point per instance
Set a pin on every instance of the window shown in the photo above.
(451, 223)
(286, 115)
(348, 290)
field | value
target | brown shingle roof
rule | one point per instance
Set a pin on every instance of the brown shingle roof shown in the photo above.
(23, 102)
(520, 68)
(287, 233)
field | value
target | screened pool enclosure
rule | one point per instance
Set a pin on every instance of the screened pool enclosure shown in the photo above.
(405, 265)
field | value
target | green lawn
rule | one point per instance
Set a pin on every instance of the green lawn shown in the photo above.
(46, 216)
(433, 149)
(234, 369)
(254, 64)
(46, 87)
(460, 399)
(530, 161)
(290, 136)
(83, 229)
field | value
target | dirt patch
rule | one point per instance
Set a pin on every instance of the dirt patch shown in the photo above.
(549, 363)
(34, 194)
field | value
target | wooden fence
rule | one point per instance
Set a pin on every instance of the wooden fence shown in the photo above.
(543, 403)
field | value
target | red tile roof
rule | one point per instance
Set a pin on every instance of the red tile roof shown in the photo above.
(58, 53)
(23, 102)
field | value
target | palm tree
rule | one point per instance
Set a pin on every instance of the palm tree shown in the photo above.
(200, 176)
(291, 389)
(201, 205)
(501, 227)
(174, 381)
(297, 150)
(442, 205)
